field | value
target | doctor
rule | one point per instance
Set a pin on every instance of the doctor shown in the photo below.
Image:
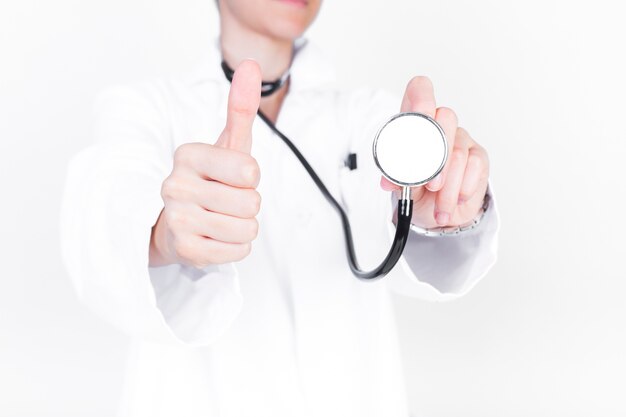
(191, 227)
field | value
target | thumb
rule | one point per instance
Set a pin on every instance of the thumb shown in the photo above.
(243, 102)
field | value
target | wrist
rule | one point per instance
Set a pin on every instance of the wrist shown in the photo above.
(455, 230)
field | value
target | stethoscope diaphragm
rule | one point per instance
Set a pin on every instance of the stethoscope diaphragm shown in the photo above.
(410, 149)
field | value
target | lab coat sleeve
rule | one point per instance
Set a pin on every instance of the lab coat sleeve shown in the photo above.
(431, 268)
(447, 267)
(111, 201)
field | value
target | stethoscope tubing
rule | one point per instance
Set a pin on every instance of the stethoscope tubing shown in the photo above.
(403, 222)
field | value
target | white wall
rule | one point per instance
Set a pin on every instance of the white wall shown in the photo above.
(539, 84)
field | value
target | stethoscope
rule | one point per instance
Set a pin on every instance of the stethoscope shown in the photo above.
(410, 149)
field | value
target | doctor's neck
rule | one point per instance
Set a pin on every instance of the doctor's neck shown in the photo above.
(239, 42)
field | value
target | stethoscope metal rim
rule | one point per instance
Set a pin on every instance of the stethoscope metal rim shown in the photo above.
(443, 137)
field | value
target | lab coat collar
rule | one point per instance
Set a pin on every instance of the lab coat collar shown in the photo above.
(310, 69)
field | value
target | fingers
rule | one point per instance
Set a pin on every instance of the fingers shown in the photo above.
(388, 185)
(194, 230)
(476, 173)
(243, 103)
(217, 197)
(419, 96)
(212, 195)
(225, 228)
(447, 197)
(447, 119)
(200, 251)
(189, 219)
(466, 171)
(209, 197)
(191, 230)
(215, 163)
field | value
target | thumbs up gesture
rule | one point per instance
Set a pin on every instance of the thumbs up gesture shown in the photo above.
(210, 198)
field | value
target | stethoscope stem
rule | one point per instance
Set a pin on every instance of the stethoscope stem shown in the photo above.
(406, 198)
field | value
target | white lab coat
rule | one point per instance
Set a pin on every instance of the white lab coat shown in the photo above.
(288, 331)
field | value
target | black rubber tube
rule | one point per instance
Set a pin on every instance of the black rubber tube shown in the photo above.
(402, 227)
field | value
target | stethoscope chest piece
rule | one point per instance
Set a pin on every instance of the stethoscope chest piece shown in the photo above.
(410, 149)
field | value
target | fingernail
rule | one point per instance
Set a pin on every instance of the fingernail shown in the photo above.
(442, 218)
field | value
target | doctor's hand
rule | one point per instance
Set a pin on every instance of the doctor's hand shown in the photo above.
(210, 197)
(455, 196)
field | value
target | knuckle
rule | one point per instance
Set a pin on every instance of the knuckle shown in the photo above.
(253, 229)
(170, 188)
(251, 172)
(482, 152)
(458, 157)
(479, 158)
(463, 135)
(183, 250)
(221, 253)
(233, 252)
(176, 219)
(241, 108)
(245, 250)
(182, 154)
(462, 139)
(255, 203)
(446, 202)
(474, 161)
(170, 216)
(239, 252)
(166, 188)
(465, 194)
(178, 189)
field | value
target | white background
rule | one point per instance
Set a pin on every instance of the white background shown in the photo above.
(539, 84)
